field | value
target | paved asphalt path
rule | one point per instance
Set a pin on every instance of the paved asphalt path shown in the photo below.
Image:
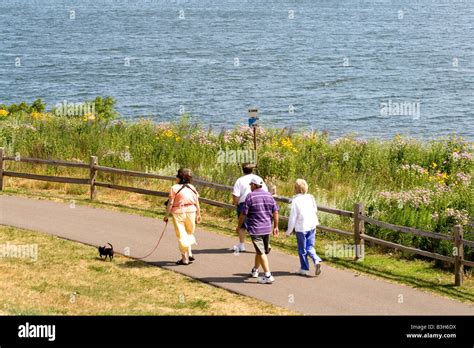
(334, 292)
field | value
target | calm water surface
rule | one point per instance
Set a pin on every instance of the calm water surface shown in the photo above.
(320, 64)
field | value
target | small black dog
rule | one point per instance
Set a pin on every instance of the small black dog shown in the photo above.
(107, 251)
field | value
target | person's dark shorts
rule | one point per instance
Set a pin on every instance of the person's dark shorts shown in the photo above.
(240, 207)
(261, 244)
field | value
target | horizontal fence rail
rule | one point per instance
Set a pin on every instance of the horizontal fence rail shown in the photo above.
(358, 214)
(404, 229)
(132, 189)
(334, 230)
(50, 162)
(408, 249)
(60, 179)
(132, 173)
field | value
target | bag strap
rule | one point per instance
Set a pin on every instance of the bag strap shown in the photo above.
(189, 187)
(182, 187)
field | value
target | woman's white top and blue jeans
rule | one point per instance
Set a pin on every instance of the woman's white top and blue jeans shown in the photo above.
(304, 220)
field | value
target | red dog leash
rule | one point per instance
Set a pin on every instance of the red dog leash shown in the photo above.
(156, 246)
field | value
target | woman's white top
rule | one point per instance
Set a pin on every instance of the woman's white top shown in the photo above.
(303, 216)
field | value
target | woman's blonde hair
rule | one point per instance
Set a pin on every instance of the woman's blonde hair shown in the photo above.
(301, 186)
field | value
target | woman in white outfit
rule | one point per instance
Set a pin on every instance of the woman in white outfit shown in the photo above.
(303, 218)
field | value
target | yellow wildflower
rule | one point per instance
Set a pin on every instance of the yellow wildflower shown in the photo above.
(4, 113)
(39, 116)
(177, 139)
(89, 117)
(286, 143)
(168, 133)
(433, 165)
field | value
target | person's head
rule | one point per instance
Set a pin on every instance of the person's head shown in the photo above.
(184, 176)
(247, 168)
(301, 186)
(255, 184)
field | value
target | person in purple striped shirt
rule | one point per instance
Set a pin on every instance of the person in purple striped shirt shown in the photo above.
(261, 212)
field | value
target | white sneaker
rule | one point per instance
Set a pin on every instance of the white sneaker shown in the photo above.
(254, 273)
(266, 280)
(302, 272)
(238, 248)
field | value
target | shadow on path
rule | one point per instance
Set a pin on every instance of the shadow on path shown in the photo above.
(218, 251)
(242, 278)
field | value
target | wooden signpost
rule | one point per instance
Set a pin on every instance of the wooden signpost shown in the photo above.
(253, 119)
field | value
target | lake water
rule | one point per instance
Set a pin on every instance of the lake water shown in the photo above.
(377, 67)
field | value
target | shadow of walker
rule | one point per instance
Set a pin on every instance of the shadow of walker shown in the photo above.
(219, 251)
(243, 278)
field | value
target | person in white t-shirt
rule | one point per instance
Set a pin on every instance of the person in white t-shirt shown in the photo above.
(303, 218)
(239, 193)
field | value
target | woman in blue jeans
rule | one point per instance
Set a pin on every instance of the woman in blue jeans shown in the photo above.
(303, 218)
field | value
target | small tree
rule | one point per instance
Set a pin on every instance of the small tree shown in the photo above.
(105, 109)
(37, 106)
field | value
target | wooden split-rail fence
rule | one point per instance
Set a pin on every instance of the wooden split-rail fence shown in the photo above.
(358, 214)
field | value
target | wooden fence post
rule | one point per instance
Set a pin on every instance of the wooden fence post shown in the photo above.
(2, 153)
(458, 256)
(93, 176)
(359, 230)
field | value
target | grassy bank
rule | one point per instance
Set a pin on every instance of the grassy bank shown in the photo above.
(94, 287)
(426, 185)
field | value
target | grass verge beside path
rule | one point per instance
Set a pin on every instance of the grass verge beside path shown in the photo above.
(68, 278)
(385, 265)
